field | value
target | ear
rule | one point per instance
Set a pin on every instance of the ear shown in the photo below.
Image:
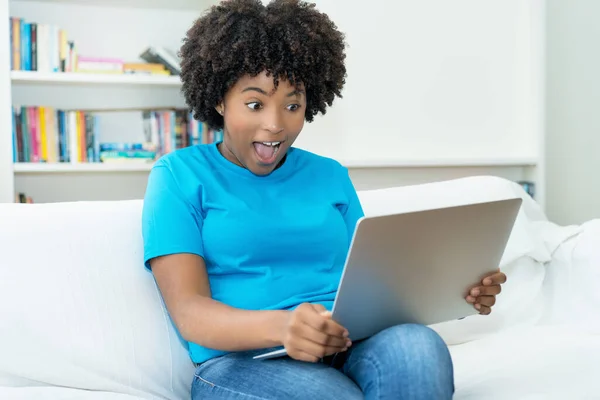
(220, 108)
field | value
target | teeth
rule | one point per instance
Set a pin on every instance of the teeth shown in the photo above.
(271, 143)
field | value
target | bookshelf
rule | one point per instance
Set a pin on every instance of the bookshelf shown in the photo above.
(88, 79)
(52, 168)
(120, 29)
(57, 168)
(192, 5)
(376, 155)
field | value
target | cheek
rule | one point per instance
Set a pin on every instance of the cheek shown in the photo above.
(295, 124)
(239, 126)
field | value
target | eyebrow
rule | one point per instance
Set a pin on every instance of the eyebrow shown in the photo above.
(294, 92)
(255, 89)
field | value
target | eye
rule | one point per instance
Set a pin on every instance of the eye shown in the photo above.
(293, 107)
(255, 105)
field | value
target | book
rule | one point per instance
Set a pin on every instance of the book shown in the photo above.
(40, 47)
(48, 135)
(145, 69)
(529, 187)
(100, 65)
(23, 198)
(43, 47)
(160, 55)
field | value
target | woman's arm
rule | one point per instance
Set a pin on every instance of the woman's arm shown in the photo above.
(183, 282)
(308, 333)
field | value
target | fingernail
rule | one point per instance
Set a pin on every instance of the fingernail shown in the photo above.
(346, 334)
(348, 343)
(475, 292)
(487, 281)
(478, 306)
(470, 299)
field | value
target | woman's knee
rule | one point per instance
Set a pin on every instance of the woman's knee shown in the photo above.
(417, 344)
(406, 361)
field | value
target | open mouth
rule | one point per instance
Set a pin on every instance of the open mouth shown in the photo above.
(267, 151)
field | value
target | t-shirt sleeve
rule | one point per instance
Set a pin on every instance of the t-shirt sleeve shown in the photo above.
(352, 210)
(170, 223)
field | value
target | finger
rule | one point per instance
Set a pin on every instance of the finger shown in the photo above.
(485, 291)
(483, 310)
(333, 328)
(325, 325)
(494, 279)
(322, 338)
(302, 356)
(315, 350)
(488, 301)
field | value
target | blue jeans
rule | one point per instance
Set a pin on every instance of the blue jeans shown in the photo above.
(403, 362)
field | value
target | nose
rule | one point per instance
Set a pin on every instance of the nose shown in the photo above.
(273, 122)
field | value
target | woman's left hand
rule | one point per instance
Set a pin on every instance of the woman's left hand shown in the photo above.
(483, 297)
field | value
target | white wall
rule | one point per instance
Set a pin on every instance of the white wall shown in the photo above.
(434, 78)
(573, 110)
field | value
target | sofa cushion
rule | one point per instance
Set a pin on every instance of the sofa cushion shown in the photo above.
(78, 308)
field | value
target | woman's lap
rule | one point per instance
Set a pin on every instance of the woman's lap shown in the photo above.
(405, 361)
(238, 376)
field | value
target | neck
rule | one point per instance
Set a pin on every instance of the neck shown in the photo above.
(228, 154)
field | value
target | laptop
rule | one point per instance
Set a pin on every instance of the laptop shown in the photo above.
(417, 267)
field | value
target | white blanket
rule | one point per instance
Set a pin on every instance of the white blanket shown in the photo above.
(571, 291)
(61, 393)
(549, 363)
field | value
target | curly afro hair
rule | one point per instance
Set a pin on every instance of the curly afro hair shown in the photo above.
(288, 39)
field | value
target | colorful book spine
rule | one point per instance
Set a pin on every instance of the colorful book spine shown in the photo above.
(40, 47)
(16, 145)
(49, 135)
(23, 198)
(99, 65)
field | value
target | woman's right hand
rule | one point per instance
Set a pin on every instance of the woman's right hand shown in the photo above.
(310, 334)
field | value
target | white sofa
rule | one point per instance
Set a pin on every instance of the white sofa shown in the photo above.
(80, 318)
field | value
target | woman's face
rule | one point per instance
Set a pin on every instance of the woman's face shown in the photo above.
(261, 123)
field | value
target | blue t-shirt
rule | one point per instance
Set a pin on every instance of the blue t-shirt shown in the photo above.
(269, 242)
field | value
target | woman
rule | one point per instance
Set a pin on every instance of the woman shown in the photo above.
(247, 238)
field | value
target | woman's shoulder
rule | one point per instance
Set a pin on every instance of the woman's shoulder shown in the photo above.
(183, 171)
(185, 159)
